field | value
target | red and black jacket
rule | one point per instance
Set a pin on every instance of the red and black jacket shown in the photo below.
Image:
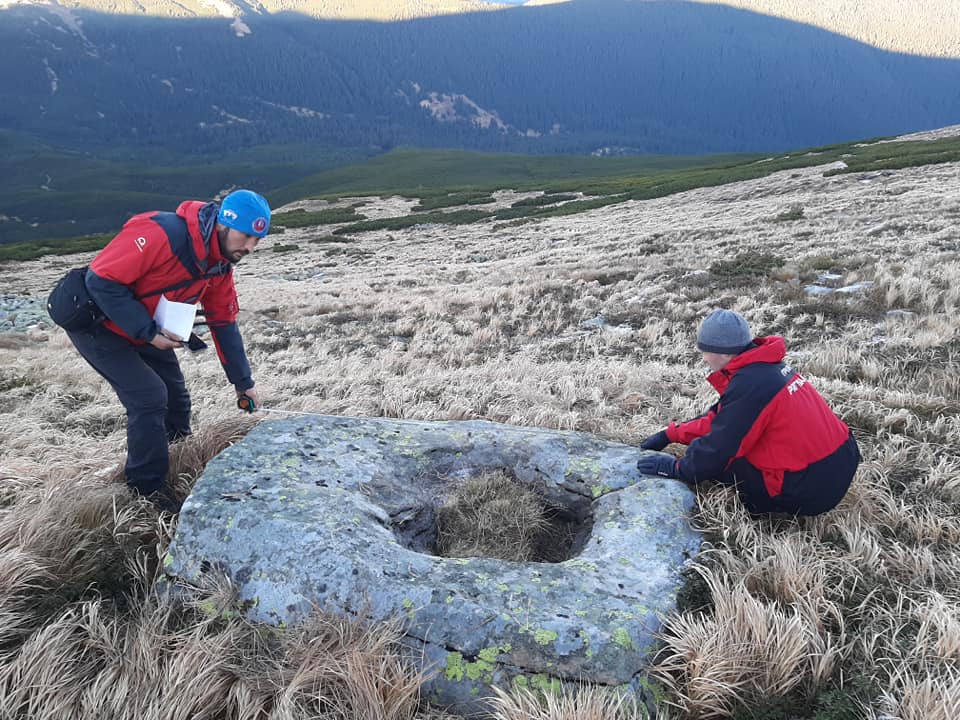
(176, 255)
(767, 414)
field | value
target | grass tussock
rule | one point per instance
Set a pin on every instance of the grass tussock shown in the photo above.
(87, 634)
(168, 659)
(747, 650)
(586, 703)
(491, 515)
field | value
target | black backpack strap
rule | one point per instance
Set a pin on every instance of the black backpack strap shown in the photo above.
(181, 244)
(162, 290)
(218, 269)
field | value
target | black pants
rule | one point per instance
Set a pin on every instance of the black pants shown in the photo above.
(150, 385)
(812, 491)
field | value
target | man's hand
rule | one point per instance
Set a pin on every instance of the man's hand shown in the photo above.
(659, 463)
(164, 340)
(656, 442)
(253, 395)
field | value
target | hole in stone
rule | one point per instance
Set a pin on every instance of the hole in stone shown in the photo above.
(493, 514)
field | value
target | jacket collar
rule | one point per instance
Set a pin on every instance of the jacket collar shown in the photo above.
(771, 349)
(201, 219)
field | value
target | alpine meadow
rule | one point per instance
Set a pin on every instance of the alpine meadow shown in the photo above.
(582, 321)
(487, 235)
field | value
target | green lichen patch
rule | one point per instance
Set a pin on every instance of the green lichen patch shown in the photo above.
(652, 689)
(454, 669)
(546, 684)
(584, 469)
(545, 637)
(480, 669)
(622, 638)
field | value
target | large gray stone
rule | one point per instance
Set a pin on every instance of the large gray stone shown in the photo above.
(336, 512)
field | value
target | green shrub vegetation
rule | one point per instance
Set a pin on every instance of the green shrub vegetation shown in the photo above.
(431, 174)
(899, 155)
(548, 199)
(57, 246)
(452, 199)
(460, 217)
(438, 178)
(302, 218)
(746, 263)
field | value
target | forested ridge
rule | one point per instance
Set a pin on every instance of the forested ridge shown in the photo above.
(926, 28)
(607, 76)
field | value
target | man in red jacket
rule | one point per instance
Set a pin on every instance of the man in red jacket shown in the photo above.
(186, 256)
(771, 435)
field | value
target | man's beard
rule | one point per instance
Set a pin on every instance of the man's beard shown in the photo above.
(222, 233)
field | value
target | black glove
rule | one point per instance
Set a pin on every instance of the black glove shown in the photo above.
(656, 442)
(658, 464)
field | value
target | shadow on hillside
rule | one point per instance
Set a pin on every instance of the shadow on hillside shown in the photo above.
(665, 77)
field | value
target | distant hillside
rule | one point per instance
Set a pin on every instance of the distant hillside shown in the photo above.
(929, 27)
(604, 77)
(924, 27)
(327, 9)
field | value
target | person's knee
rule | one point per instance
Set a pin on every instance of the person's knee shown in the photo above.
(825, 483)
(151, 399)
(178, 400)
(751, 489)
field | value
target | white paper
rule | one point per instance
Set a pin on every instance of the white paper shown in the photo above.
(176, 318)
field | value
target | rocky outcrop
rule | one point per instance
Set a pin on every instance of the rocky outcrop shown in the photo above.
(338, 513)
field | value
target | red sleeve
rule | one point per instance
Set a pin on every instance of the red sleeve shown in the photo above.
(689, 431)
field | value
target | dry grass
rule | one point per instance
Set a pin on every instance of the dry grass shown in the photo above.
(164, 660)
(853, 612)
(88, 634)
(491, 515)
(584, 703)
(746, 650)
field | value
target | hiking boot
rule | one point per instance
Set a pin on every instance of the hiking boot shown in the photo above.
(165, 500)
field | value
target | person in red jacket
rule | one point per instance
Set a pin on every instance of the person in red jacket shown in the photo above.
(186, 256)
(771, 435)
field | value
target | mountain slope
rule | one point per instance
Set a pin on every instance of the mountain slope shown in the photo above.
(921, 28)
(327, 9)
(607, 76)
(930, 27)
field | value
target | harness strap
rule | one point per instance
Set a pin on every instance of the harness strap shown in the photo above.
(218, 270)
(181, 245)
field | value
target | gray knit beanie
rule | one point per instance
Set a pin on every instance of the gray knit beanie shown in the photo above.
(725, 332)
